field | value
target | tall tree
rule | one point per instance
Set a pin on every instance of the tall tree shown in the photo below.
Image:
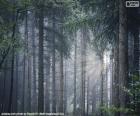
(14, 19)
(115, 82)
(34, 103)
(40, 60)
(16, 87)
(29, 64)
(61, 107)
(12, 80)
(83, 68)
(133, 27)
(75, 74)
(88, 87)
(53, 67)
(65, 89)
(123, 54)
(102, 84)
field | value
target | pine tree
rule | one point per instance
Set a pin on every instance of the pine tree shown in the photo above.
(123, 55)
(40, 60)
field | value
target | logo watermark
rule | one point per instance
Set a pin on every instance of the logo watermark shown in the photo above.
(32, 114)
(132, 4)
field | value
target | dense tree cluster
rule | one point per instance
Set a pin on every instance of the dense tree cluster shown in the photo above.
(77, 57)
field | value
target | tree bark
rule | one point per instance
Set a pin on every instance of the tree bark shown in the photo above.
(136, 64)
(47, 89)
(65, 89)
(16, 90)
(34, 101)
(40, 62)
(53, 69)
(123, 54)
(12, 81)
(61, 107)
(88, 87)
(83, 69)
(14, 19)
(28, 64)
(116, 78)
(4, 89)
(102, 85)
(75, 77)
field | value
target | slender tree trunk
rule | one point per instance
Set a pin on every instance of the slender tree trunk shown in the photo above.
(40, 62)
(12, 81)
(75, 72)
(83, 69)
(24, 76)
(47, 96)
(23, 88)
(29, 84)
(123, 55)
(112, 78)
(88, 80)
(24, 62)
(116, 78)
(65, 89)
(34, 103)
(14, 19)
(16, 91)
(28, 64)
(102, 84)
(136, 64)
(53, 69)
(4, 89)
(61, 107)
(94, 100)
(136, 50)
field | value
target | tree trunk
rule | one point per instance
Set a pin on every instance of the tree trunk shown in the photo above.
(83, 69)
(47, 90)
(136, 50)
(136, 63)
(61, 107)
(75, 72)
(14, 19)
(40, 62)
(65, 89)
(4, 89)
(116, 78)
(28, 64)
(23, 88)
(123, 54)
(53, 69)
(34, 101)
(88, 87)
(16, 90)
(102, 84)
(12, 81)
(94, 100)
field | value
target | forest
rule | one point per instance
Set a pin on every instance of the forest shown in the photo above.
(69, 58)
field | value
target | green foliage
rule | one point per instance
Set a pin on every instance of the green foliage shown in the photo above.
(5, 5)
(76, 21)
(99, 16)
(9, 38)
(133, 93)
(112, 109)
(134, 88)
(63, 44)
(25, 2)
